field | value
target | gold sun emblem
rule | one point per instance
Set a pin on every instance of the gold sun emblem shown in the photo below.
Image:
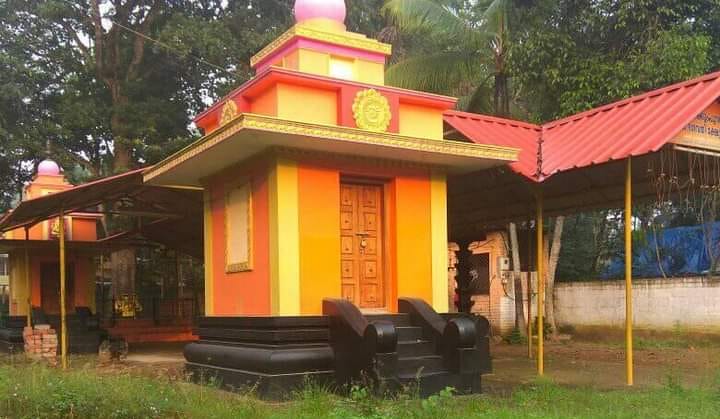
(371, 111)
(229, 111)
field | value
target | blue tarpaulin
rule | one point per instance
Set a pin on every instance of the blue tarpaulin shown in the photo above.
(683, 251)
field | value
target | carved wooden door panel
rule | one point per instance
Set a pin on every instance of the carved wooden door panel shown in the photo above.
(361, 244)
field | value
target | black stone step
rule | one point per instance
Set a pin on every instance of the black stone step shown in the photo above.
(398, 320)
(415, 348)
(274, 323)
(409, 333)
(413, 366)
(265, 335)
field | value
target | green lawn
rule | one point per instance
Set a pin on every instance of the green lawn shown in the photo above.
(31, 391)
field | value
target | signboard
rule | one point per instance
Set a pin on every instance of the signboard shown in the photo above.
(704, 131)
(53, 229)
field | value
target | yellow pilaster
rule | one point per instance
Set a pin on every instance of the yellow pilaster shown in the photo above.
(628, 275)
(19, 285)
(438, 222)
(284, 239)
(208, 254)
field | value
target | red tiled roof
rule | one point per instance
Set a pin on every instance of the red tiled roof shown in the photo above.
(639, 125)
(501, 132)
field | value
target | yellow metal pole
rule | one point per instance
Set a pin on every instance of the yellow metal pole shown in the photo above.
(541, 285)
(63, 324)
(28, 282)
(628, 275)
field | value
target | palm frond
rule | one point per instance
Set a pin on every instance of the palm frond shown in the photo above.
(434, 16)
(441, 72)
(494, 18)
(481, 100)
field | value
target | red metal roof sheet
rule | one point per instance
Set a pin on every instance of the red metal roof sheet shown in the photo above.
(491, 130)
(639, 125)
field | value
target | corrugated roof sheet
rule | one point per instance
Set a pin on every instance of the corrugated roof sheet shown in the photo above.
(501, 132)
(639, 125)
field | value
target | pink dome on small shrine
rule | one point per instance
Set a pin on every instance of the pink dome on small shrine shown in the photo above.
(323, 9)
(48, 167)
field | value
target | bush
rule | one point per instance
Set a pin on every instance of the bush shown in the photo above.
(515, 337)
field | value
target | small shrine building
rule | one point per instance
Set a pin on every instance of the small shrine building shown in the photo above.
(39, 241)
(321, 181)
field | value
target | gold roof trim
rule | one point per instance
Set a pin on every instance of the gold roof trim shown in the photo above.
(332, 132)
(346, 39)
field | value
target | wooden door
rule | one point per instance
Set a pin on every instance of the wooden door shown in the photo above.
(50, 288)
(361, 244)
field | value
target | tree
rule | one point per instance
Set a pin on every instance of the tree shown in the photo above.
(517, 280)
(572, 55)
(552, 262)
(460, 47)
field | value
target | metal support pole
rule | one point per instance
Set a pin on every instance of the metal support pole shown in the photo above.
(628, 275)
(63, 314)
(541, 285)
(28, 282)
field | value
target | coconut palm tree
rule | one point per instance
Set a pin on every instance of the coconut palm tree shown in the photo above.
(461, 48)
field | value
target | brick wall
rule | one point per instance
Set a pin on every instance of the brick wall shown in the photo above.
(41, 343)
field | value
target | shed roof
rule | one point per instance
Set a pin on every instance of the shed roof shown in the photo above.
(500, 132)
(177, 212)
(631, 127)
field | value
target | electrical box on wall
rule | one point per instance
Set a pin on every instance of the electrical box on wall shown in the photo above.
(503, 264)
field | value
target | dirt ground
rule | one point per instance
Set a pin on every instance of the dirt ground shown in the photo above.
(571, 363)
(602, 365)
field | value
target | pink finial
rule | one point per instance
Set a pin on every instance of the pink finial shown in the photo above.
(314, 9)
(48, 167)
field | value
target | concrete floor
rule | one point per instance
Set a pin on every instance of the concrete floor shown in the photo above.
(156, 353)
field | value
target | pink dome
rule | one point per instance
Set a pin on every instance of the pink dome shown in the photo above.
(313, 9)
(48, 167)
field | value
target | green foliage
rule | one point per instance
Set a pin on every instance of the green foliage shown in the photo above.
(574, 55)
(29, 391)
(515, 337)
(453, 47)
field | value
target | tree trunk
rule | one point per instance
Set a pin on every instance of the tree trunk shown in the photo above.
(517, 281)
(550, 275)
(122, 264)
(501, 99)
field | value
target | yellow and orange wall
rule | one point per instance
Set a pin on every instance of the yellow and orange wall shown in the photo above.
(296, 234)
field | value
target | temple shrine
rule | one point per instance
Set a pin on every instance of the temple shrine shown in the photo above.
(325, 194)
(42, 260)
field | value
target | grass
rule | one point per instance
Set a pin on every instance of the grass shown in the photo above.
(30, 391)
(677, 338)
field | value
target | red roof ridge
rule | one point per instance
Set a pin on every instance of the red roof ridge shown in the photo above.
(636, 98)
(495, 119)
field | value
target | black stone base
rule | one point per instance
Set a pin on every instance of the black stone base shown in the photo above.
(268, 386)
(271, 356)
